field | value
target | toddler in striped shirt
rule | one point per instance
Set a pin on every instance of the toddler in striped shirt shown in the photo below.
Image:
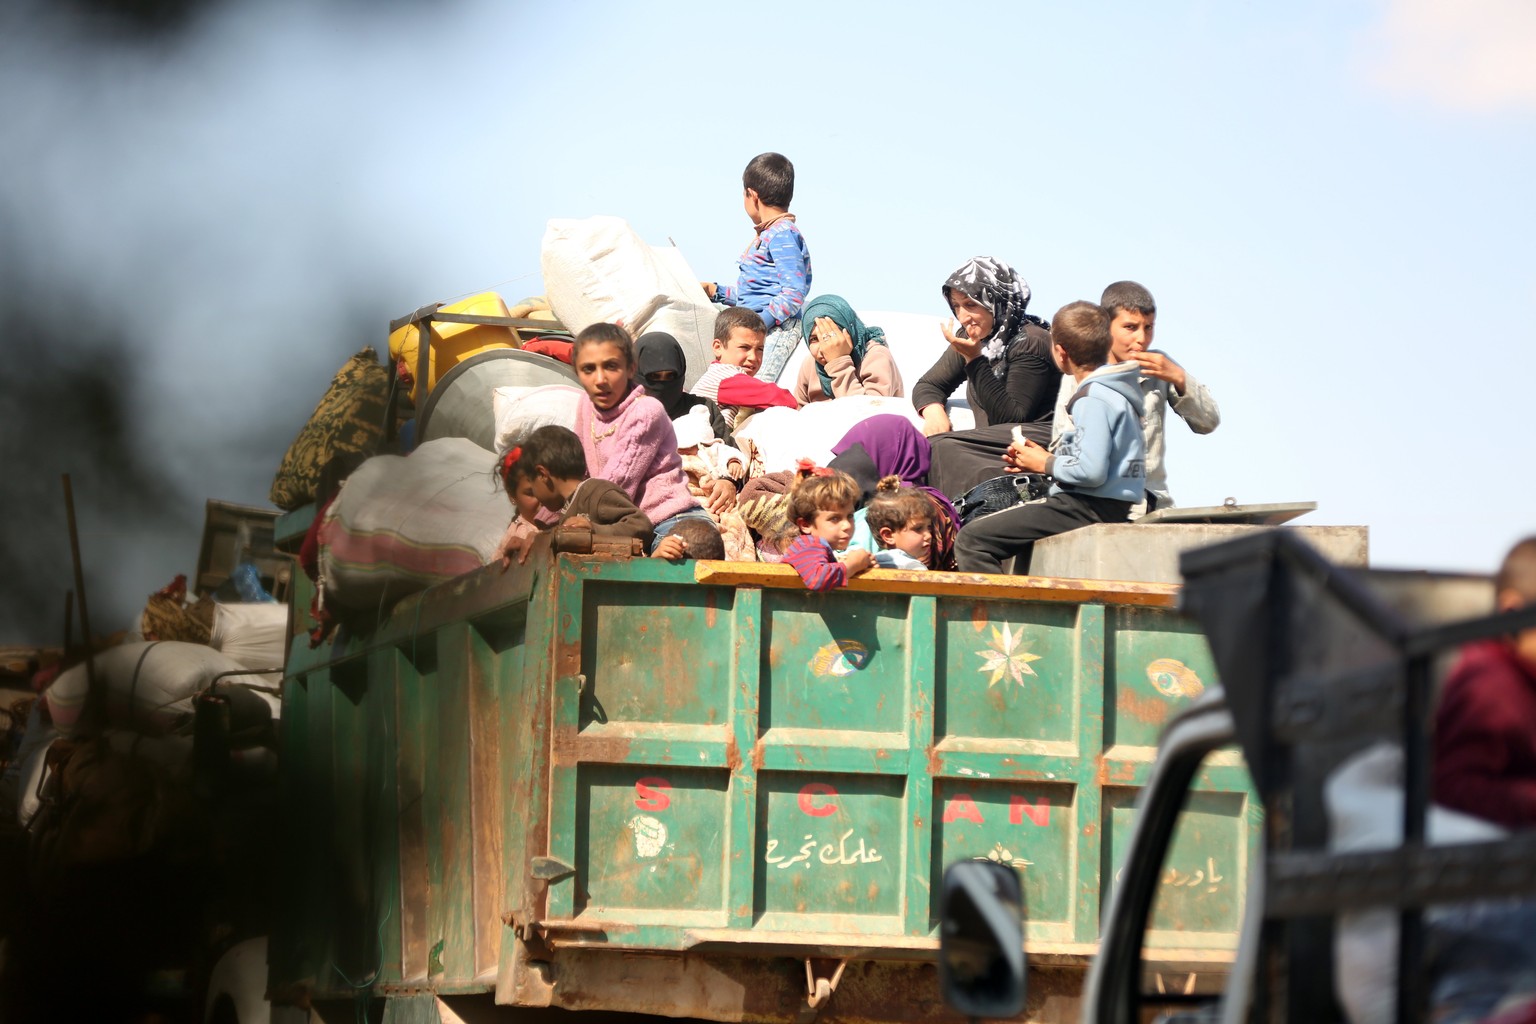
(821, 505)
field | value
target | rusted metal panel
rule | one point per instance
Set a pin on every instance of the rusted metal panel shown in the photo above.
(895, 732)
(768, 989)
(412, 776)
(487, 878)
(381, 837)
(447, 739)
(594, 766)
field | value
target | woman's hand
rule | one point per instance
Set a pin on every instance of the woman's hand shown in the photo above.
(965, 346)
(935, 419)
(709, 288)
(830, 341)
(722, 498)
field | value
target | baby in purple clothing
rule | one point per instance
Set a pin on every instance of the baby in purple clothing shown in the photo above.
(776, 268)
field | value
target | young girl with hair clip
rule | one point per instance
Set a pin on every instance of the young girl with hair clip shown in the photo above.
(901, 518)
(524, 526)
(626, 434)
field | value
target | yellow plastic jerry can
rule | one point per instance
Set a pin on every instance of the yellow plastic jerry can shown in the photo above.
(452, 343)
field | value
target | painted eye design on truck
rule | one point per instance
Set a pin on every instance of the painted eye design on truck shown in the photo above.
(1173, 678)
(839, 658)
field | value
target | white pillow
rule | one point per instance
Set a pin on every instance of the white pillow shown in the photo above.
(784, 436)
(520, 411)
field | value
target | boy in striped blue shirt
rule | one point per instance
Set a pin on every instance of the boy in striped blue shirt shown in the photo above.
(775, 270)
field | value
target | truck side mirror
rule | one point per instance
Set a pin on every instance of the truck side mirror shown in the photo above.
(981, 939)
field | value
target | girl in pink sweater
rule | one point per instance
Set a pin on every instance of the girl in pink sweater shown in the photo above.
(626, 434)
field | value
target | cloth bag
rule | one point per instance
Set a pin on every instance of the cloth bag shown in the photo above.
(402, 523)
(349, 418)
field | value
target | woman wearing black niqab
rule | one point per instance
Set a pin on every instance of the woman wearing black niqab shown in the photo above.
(660, 367)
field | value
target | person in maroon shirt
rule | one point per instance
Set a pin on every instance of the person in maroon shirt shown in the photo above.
(1485, 726)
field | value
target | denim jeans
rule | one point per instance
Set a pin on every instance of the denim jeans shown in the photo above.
(777, 348)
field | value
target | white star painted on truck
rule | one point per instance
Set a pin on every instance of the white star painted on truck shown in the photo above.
(1004, 659)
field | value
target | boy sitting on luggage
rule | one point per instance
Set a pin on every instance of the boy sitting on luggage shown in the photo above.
(1097, 464)
(550, 469)
(728, 380)
(821, 505)
(775, 273)
(1164, 385)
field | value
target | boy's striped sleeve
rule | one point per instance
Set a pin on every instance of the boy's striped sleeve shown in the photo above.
(815, 563)
(792, 267)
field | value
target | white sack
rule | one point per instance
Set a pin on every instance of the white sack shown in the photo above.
(521, 411)
(1365, 812)
(148, 686)
(598, 270)
(784, 436)
(916, 342)
(255, 634)
(402, 523)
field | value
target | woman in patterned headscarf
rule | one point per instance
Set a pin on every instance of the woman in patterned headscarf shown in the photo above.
(1003, 354)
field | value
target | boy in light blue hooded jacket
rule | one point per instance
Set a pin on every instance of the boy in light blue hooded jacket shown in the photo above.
(1099, 466)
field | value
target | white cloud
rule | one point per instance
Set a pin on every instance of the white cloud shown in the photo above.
(1474, 55)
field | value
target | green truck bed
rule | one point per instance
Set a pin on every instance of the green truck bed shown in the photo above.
(597, 782)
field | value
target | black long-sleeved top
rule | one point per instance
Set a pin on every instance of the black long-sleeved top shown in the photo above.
(1026, 393)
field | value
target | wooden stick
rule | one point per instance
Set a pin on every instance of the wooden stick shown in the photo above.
(85, 616)
(69, 621)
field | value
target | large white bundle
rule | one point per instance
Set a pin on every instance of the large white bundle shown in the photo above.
(782, 436)
(403, 523)
(916, 343)
(521, 411)
(148, 686)
(255, 634)
(598, 270)
(1364, 796)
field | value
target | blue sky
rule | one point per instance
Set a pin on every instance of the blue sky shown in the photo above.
(1332, 203)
